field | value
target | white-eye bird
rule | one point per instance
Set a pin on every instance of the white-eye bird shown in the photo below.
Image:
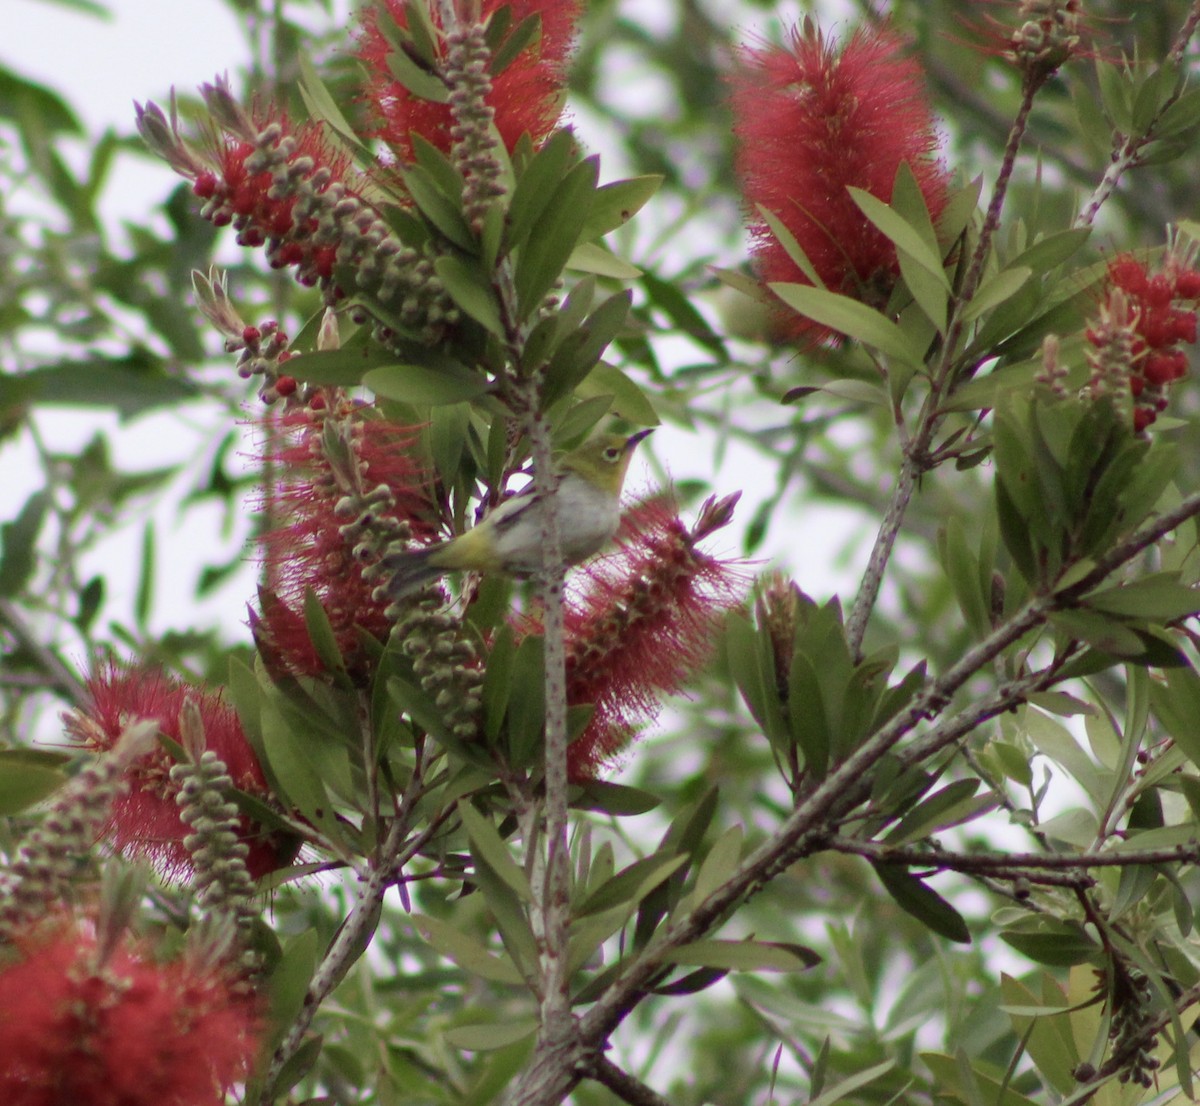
(509, 539)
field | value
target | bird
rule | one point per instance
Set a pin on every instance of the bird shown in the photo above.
(508, 541)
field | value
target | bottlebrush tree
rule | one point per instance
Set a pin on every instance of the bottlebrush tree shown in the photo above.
(675, 824)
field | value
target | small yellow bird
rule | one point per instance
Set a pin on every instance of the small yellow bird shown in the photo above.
(509, 539)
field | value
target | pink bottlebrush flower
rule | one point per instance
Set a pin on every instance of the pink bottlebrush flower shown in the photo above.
(644, 620)
(145, 821)
(811, 122)
(526, 96)
(116, 1028)
(313, 546)
(237, 193)
(1151, 314)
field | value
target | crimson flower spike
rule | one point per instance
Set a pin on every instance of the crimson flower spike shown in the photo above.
(643, 622)
(811, 122)
(339, 469)
(525, 96)
(145, 820)
(95, 1024)
(1136, 332)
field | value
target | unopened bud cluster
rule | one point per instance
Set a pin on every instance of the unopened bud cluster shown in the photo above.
(222, 882)
(1130, 1017)
(474, 149)
(446, 663)
(1047, 37)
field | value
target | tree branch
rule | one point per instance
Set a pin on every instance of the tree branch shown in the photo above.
(916, 451)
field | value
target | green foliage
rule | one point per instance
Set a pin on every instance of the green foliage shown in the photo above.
(928, 838)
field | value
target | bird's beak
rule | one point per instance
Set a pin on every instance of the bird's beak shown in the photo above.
(633, 439)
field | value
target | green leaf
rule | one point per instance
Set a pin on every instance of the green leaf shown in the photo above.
(321, 633)
(929, 293)
(944, 808)
(452, 943)
(915, 897)
(744, 956)
(422, 84)
(469, 289)
(300, 781)
(613, 798)
(629, 401)
(1106, 634)
(1160, 597)
(995, 290)
(497, 681)
(545, 254)
(289, 981)
(320, 101)
(443, 212)
(616, 203)
(971, 1082)
(1048, 1037)
(506, 45)
(130, 384)
(535, 186)
(791, 247)
(421, 386)
(852, 1084)
(486, 1038)
(24, 781)
(720, 863)
(630, 885)
(590, 257)
(849, 317)
(492, 849)
(757, 687)
(1054, 943)
(527, 702)
(1052, 250)
(901, 234)
(1177, 706)
(579, 351)
(18, 544)
(808, 723)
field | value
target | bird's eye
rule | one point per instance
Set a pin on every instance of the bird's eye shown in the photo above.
(612, 453)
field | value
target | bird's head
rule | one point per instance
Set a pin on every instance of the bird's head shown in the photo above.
(603, 461)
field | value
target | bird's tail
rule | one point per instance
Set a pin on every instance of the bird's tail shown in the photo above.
(409, 571)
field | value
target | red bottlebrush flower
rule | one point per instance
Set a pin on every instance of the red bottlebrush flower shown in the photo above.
(313, 546)
(242, 194)
(812, 122)
(145, 820)
(644, 619)
(1142, 332)
(526, 96)
(118, 1029)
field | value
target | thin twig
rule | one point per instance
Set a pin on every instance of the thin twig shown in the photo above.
(992, 862)
(625, 1086)
(352, 938)
(1127, 149)
(59, 678)
(916, 450)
